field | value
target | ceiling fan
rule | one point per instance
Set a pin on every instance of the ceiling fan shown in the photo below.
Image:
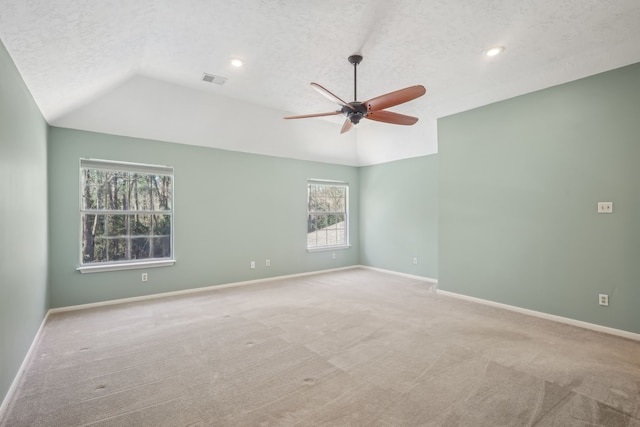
(373, 109)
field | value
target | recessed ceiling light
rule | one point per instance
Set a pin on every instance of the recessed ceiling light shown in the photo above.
(494, 51)
(236, 62)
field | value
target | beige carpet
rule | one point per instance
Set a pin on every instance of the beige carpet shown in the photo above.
(355, 347)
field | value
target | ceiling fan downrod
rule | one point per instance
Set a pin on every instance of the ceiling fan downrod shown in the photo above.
(355, 60)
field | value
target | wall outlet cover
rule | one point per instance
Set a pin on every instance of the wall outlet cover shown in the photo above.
(605, 207)
(603, 299)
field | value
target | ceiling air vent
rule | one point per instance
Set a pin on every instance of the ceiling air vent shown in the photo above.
(211, 78)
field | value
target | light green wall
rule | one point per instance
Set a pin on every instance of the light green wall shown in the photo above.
(23, 220)
(519, 182)
(399, 221)
(230, 208)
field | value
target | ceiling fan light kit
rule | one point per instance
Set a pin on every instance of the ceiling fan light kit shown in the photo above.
(373, 109)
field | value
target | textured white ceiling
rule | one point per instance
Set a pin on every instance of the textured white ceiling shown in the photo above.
(135, 67)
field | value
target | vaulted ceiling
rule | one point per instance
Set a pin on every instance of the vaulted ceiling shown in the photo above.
(135, 67)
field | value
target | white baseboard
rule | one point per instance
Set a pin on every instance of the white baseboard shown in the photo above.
(542, 315)
(23, 366)
(396, 273)
(553, 317)
(192, 291)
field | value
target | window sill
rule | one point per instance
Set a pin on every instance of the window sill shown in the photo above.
(125, 266)
(328, 248)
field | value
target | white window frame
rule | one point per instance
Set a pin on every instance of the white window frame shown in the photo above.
(141, 168)
(329, 183)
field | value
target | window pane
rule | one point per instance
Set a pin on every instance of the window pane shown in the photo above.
(92, 230)
(113, 189)
(93, 196)
(318, 222)
(331, 237)
(117, 225)
(334, 198)
(311, 223)
(100, 250)
(337, 200)
(161, 247)
(88, 241)
(312, 239)
(165, 192)
(162, 225)
(313, 199)
(142, 225)
(137, 194)
(139, 248)
(317, 201)
(116, 249)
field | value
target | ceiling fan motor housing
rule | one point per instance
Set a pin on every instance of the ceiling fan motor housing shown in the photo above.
(357, 111)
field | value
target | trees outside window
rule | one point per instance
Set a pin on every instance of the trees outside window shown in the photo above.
(327, 214)
(126, 212)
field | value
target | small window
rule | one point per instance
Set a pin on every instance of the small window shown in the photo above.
(327, 214)
(126, 215)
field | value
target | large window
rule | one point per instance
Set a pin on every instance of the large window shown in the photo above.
(327, 214)
(126, 212)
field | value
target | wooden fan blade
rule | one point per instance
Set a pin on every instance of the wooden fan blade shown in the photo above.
(394, 98)
(330, 96)
(391, 117)
(346, 126)
(305, 116)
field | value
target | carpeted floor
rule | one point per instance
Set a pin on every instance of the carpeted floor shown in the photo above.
(354, 347)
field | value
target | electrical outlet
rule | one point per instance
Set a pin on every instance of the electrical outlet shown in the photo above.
(333, 255)
(144, 277)
(605, 207)
(267, 263)
(415, 260)
(603, 299)
(253, 264)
